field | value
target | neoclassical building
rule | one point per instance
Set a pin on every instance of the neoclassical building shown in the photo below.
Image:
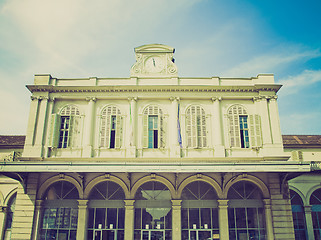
(154, 156)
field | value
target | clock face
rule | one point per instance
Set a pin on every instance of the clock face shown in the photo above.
(154, 64)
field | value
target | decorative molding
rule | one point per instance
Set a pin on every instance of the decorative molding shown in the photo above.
(91, 99)
(214, 99)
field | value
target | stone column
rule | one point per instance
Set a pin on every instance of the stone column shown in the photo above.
(3, 213)
(176, 220)
(88, 138)
(129, 219)
(173, 131)
(217, 128)
(82, 220)
(268, 219)
(223, 218)
(262, 108)
(274, 120)
(37, 220)
(308, 221)
(131, 144)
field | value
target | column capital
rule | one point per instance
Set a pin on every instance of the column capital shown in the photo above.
(176, 202)
(307, 208)
(52, 99)
(267, 203)
(273, 97)
(222, 203)
(174, 99)
(82, 203)
(91, 99)
(39, 203)
(33, 98)
(129, 202)
(132, 99)
(214, 99)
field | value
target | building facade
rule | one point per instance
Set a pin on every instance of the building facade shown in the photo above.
(153, 156)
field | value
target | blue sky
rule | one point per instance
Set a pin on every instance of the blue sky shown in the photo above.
(80, 38)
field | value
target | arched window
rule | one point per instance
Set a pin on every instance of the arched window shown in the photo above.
(106, 219)
(9, 217)
(60, 212)
(246, 213)
(315, 201)
(153, 128)
(153, 214)
(199, 211)
(110, 128)
(298, 216)
(196, 127)
(244, 130)
(65, 128)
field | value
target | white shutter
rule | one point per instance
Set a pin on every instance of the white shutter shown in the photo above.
(255, 130)
(189, 127)
(145, 131)
(203, 130)
(234, 130)
(54, 132)
(118, 129)
(161, 130)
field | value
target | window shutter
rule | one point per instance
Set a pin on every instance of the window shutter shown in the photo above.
(189, 127)
(118, 131)
(161, 130)
(234, 130)
(54, 130)
(203, 129)
(255, 130)
(71, 132)
(145, 131)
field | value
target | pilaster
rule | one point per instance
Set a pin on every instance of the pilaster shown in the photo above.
(88, 136)
(82, 220)
(3, 213)
(131, 140)
(173, 129)
(176, 219)
(275, 121)
(217, 128)
(268, 219)
(223, 218)
(129, 219)
(308, 221)
(37, 220)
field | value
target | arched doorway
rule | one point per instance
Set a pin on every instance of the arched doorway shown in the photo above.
(199, 212)
(153, 214)
(246, 212)
(298, 216)
(106, 213)
(315, 202)
(60, 212)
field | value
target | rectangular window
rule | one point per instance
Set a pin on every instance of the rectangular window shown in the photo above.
(152, 131)
(112, 132)
(244, 132)
(64, 132)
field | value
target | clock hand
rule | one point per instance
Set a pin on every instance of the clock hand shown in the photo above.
(154, 62)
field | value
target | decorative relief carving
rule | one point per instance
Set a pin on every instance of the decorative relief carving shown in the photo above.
(216, 99)
(89, 99)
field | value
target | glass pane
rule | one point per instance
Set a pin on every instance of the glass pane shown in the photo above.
(91, 218)
(252, 219)
(192, 235)
(90, 235)
(51, 234)
(98, 235)
(168, 235)
(138, 224)
(147, 219)
(111, 218)
(194, 218)
(108, 234)
(120, 235)
(240, 218)
(145, 235)
(100, 218)
(156, 235)
(204, 235)
(137, 235)
(242, 235)
(205, 218)
(184, 216)
(73, 234)
(185, 235)
(63, 234)
(121, 218)
(231, 218)
(215, 218)
(168, 220)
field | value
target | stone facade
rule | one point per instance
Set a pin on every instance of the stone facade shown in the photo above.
(153, 156)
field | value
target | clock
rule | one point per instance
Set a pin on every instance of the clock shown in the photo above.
(154, 64)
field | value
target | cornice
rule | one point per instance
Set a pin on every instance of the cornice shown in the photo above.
(152, 88)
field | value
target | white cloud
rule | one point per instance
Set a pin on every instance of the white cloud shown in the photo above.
(271, 62)
(294, 84)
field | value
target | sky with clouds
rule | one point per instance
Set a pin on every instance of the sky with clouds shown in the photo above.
(230, 38)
